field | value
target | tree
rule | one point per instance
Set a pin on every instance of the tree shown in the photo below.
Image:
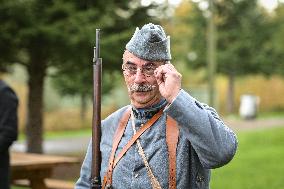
(187, 30)
(239, 42)
(274, 47)
(49, 33)
(75, 78)
(33, 40)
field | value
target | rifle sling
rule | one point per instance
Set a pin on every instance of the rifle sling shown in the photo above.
(172, 133)
(117, 137)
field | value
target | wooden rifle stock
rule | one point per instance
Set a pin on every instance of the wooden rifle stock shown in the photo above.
(96, 121)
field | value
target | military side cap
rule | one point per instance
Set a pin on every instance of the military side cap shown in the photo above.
(150, 43)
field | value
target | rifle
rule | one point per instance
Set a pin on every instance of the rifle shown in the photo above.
(96, 121)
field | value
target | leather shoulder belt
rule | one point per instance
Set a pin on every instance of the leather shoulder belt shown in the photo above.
(172, 133)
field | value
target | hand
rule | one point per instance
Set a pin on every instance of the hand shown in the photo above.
(169, 81)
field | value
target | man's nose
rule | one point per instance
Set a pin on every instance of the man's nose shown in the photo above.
(139, 76)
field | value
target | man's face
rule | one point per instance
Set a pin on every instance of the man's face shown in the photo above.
(142, 86)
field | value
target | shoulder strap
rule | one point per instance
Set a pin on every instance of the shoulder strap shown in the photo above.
(172, 133)
(137, 135)
(117, 137)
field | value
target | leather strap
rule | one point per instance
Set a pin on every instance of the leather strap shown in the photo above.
(117, 137)
(137, 135)
(172, 133)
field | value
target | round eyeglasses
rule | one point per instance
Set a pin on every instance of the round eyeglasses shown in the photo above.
(131, 69)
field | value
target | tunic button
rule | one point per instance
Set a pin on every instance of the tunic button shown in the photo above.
(136, 175)
(200, 178)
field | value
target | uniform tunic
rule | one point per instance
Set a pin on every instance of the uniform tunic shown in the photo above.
(205, 142)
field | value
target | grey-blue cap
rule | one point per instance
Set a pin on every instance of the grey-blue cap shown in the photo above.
(150, 43)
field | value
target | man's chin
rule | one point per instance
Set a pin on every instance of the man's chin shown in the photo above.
(140, 96)
(143, 99)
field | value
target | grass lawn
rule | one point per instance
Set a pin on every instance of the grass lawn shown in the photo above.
(258, 164)
(63, 134)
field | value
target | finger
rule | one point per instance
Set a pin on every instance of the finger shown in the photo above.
(158, 73)
(170, 65)
(159, 78)
(167, 70)
(173, 71)
(161, 82)
(165, 73)
(163, 69)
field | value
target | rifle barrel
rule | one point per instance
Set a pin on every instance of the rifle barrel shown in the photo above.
(97, 43)
(96, 121)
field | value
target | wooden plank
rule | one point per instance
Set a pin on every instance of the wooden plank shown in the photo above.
(59, 184)
(50, 183)
(36, 168)
(28, 161)
(38, 174)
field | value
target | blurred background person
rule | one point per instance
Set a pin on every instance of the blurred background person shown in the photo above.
(8, 128)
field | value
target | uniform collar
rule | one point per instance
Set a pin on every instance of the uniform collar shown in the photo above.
(144, 114)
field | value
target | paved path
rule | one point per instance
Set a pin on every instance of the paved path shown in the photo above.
(64, 146)
(79, 145)
(244, 125)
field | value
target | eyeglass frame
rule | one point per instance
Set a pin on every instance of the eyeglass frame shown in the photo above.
(142, 69)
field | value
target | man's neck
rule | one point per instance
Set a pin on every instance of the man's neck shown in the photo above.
(154, 105)
(144, 114)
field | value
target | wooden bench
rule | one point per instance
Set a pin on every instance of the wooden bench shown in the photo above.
(35, 170)
(50, 183)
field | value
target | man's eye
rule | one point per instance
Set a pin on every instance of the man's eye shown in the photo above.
(149, 68)
(132, 68)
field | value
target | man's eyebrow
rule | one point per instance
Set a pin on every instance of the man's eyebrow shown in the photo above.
(149, 64)
(146, 64)
(129, 62)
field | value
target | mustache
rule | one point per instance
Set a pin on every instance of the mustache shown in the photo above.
(141, 87)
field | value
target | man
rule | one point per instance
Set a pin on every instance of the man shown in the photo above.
(8, 129)
(185, 138)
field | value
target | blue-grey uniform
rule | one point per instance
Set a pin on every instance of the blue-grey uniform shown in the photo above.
(205, 142)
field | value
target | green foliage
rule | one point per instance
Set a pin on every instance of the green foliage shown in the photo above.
(60, 33)
(117, 22)
(7, 29)
(258, 162)
(249, 40)
(239, 39)
(188, 35)
(32, 27)
(275, 47)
